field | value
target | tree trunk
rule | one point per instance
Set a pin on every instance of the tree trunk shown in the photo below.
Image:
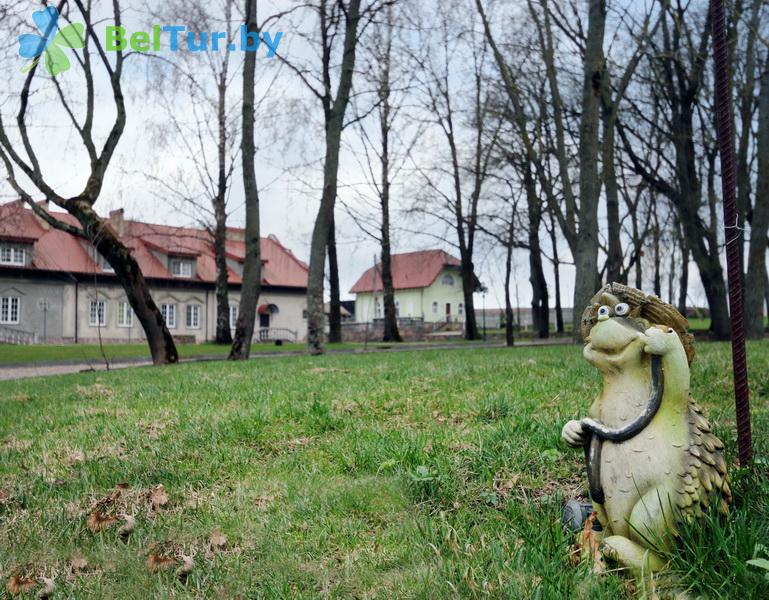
(106, 242)
(586, 254)
(335, 306)
(559, 328)
(468, 287)
(509, 325)
(683, 289)
(759, 223)
(252, 265)
(334, 117)
(540, 309)
(223, 331)
(611, 191)
(656, 250)
(391, 333)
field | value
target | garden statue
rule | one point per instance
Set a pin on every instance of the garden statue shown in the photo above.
(652, 460)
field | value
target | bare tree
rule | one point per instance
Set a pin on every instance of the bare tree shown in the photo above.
(385, 149)
(446, 198)
(335, 19)
(252, 264)
(677, 58)
(759, 221)
(20, 153)
(205, 119)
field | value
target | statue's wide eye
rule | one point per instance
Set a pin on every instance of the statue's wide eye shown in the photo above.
(621, 309)
(604, 311)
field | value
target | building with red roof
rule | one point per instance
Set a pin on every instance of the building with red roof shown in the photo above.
(427, 284)
(54, 285)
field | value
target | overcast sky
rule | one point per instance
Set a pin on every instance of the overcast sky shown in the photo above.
(289, 135)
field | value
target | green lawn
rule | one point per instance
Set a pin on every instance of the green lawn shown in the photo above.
(10, 354)
(407, 475)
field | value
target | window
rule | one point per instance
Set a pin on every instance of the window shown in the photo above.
(181, 268)
(13, 255)
(461, 309)
(193, 316)
(233, 315)
(447, 280)
(98, 313)
(377, 309)
(169, 315)
(397, 308)
(9, 310)
(435, 308)
(125, 315)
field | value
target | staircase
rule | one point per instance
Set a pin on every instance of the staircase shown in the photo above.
(17, 337)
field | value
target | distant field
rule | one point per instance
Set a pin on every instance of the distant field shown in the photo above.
(423, 475)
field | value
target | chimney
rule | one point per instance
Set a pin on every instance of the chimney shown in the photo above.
(44, 224)
(116, 220)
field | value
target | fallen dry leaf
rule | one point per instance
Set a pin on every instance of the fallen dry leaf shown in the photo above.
(129, 523)
(77, 564)
(49, 587)
(18, 584)
(158, 497)
(98, 521)
(590, 543)
(217, 541)
(186, 568)
(263, 501)
(158, 562)
(504, 484)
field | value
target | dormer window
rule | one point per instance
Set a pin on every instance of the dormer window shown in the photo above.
(181, 267)
(447, 280)
(13, 255)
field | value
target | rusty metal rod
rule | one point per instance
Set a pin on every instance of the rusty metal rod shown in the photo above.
(725, 131)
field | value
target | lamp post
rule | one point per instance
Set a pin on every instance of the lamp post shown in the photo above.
(483, 294)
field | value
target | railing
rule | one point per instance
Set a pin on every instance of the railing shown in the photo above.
(17, 337)
(274, 334)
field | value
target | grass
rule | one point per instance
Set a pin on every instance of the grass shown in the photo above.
(11, 354)
(409, 475)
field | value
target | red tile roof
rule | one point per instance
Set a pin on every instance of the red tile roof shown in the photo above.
(56, 250)
(410, 270)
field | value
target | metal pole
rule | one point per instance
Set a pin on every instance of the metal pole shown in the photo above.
(724, 126)
(484, 314)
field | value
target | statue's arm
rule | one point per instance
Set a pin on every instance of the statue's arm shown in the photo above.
(573, 432)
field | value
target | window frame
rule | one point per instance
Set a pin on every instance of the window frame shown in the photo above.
(435, 308)
(125, 315)
(447, 280)
(182, 272)
(234, 312)
(6, 306)
(16, 255)
(100, 319)
(192, 309)
(165, 312)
